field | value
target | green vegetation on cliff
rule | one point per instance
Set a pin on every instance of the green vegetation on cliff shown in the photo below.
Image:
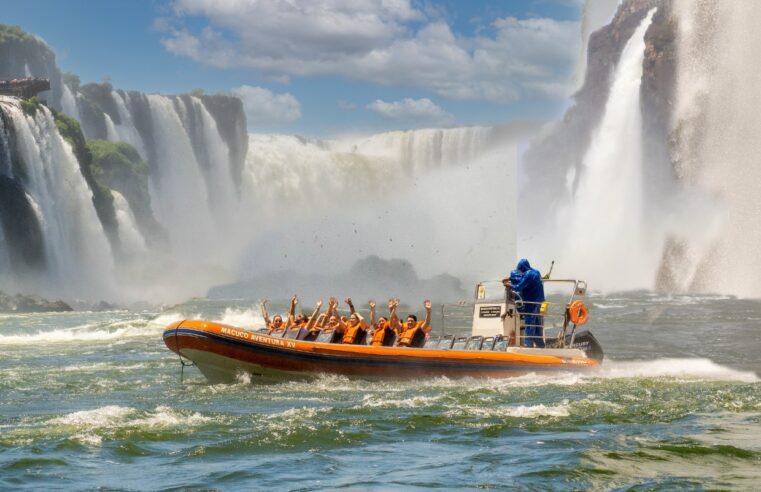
(70, 130)
(31, 105)
(119, 166)
(118, 162)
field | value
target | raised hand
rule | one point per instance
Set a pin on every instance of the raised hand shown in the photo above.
(319, 303)
(371, 303)
(294, 299)
(348, 301)
(427, 304)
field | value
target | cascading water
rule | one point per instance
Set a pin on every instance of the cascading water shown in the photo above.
(69, 103)
(126, 131)
(132, 242)
(178, 188)
(444, 199)
(602, 228)
(78, 254)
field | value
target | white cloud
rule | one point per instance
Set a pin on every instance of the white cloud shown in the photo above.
(265, 108)
(412, 110)
(387, 42)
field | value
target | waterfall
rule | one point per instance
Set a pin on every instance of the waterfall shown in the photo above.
(131, 240)
(69, 103)
(602, 227)
(178, 188)
(78, 254)
(217, 169)
(420, 150)
(444, 199)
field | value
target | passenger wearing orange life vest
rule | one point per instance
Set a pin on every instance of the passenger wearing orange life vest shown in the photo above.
(413, 334)
(277, 325)
(333, 322)
(354, 328)
(382, 332)
(274, 325)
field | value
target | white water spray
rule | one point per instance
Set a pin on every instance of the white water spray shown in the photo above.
(717, 150)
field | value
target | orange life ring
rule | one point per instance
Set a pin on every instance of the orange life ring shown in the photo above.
(578, 314)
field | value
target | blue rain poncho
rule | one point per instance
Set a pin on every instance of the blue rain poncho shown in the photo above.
(531, 290)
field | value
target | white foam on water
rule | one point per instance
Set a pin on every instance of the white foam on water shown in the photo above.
(84, 333)
(687, 369)
(519, 411)
(101, 366)
(164, 319)
(379, 401)
(244, 318)
(100, 417)
(117, 417)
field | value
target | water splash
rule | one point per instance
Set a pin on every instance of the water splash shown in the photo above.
(716, 129)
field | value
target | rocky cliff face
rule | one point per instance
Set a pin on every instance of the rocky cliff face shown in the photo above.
(23, 54)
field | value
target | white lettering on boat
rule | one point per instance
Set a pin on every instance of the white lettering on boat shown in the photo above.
(257, 338)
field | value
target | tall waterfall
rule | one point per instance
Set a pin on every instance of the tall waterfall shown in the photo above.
(603, 225)
(78, 255)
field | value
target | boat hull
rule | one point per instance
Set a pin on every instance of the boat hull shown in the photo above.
(223, 353)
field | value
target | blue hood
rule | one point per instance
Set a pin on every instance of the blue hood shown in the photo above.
(523, 265)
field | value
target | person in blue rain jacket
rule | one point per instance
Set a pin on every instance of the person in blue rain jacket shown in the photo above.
(531, 290)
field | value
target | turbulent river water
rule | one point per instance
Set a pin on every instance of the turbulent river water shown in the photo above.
(94, 400)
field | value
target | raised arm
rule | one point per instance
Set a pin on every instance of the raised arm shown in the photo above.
(371, 303)
(426, 326)
(393, 319)
(351, 305)
(292, 312)
(332, 303)
(313, 319)
(265, 314)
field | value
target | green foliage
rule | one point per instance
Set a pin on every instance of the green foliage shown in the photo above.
(118, 166)
(117, 161)
(31, 105)
(14, 33)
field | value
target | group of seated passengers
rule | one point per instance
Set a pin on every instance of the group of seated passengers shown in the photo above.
(383, 331)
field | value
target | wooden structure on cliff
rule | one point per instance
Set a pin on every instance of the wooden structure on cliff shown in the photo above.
(26, 87)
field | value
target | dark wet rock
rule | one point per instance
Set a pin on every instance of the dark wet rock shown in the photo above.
(22, 303)
(370, 277)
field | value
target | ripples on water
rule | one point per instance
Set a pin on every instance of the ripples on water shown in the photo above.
(93, 400)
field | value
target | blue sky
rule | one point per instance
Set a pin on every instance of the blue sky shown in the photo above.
(330, 66)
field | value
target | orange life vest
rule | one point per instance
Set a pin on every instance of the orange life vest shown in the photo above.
(408, 335)
(272, 328)
(351, 333)
(379, 335)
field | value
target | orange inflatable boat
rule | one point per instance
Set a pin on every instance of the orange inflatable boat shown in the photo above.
(493, 349)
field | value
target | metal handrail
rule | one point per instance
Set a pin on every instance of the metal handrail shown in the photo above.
(559, 319)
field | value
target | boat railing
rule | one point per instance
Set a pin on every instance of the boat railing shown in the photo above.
(552, 314)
